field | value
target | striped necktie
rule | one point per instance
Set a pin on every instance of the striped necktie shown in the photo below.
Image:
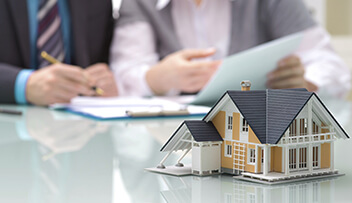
(49, 32)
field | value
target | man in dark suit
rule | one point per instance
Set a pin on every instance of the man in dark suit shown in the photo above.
(75, 32)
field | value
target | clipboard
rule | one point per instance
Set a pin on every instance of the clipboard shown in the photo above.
(129, 107)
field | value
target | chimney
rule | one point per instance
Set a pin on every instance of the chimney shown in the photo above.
(245, 85)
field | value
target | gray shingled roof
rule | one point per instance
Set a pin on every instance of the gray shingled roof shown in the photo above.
(203, 131)
(270, 112)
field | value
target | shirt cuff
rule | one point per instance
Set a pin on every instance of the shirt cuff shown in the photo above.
(20, 86)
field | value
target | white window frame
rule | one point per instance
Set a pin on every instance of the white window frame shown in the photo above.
(319, 154)
(251, 156)
(292, 159)
(228, 150)
(251, 197)
(229, 122)
(244, 126)
(296, 162)
(303, 160)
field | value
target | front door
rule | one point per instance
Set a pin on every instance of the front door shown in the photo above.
(298, 159)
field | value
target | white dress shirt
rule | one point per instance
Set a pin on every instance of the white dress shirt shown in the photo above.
(133, 54)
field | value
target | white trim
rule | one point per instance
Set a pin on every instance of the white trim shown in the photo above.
(250, 160)
(218, 108)
(257, 160)
(229, 122)
(319, 156)
(266, 160)
(310, 158)
(287, 168)
(228, 150)
(310, 118)
(239, 141)
(326, 118)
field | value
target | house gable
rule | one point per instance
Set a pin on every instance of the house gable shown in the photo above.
(323, 115)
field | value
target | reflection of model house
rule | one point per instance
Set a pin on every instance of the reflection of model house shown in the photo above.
(269, 135)
(225, 189)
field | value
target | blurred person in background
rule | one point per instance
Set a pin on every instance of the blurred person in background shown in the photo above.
(169, 47)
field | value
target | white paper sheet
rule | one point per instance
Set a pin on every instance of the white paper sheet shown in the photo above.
(253, 64)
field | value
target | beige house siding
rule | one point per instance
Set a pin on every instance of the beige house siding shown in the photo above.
(219, 122)
(276, 159)
(236, 126)
(226, 162)
(325, 155)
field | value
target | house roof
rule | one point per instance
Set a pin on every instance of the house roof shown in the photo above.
(201, 131)
(269, 112)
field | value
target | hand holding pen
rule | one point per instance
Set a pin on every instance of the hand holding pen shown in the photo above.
(57, 83)
(53, 60)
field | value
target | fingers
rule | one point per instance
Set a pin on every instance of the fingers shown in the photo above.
(103, 78)
(195, 84)
(291, 61)
(195, 65)
(293, 82)
(289, 74)
(197, 53)
(98, 68)
(73, 73)
(75, 88)
(282, 74)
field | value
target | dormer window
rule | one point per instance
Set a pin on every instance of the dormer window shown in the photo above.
(229, 122)
(244, 125)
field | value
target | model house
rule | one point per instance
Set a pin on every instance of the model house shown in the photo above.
(268, 135)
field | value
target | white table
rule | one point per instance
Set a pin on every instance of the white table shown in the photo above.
(51, 156)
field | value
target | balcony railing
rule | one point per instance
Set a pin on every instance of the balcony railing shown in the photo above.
(296, 139)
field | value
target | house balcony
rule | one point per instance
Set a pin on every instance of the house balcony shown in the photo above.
(314, 138)
(275, 177)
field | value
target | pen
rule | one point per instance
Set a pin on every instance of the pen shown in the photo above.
(12, 112)
(182, 112)
(53, 60)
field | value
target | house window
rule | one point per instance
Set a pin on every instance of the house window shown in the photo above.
(298, 158)
(302, 158)
(316, 157)
(244, 125)
(293, 128)
(292, 159)
(228, 150)
(229, 122)
(251, 198)
(251, 156)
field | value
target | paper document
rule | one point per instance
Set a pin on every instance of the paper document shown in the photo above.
(125, 107)
(253, 64)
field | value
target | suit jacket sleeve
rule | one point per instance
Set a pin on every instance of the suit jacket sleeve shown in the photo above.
(8, 75)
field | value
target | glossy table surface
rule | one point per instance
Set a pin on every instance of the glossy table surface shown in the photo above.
(53, 156)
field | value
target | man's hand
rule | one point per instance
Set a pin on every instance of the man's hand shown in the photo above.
(57, 83)
(178, 71)
(289, 74)
(103, 78)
